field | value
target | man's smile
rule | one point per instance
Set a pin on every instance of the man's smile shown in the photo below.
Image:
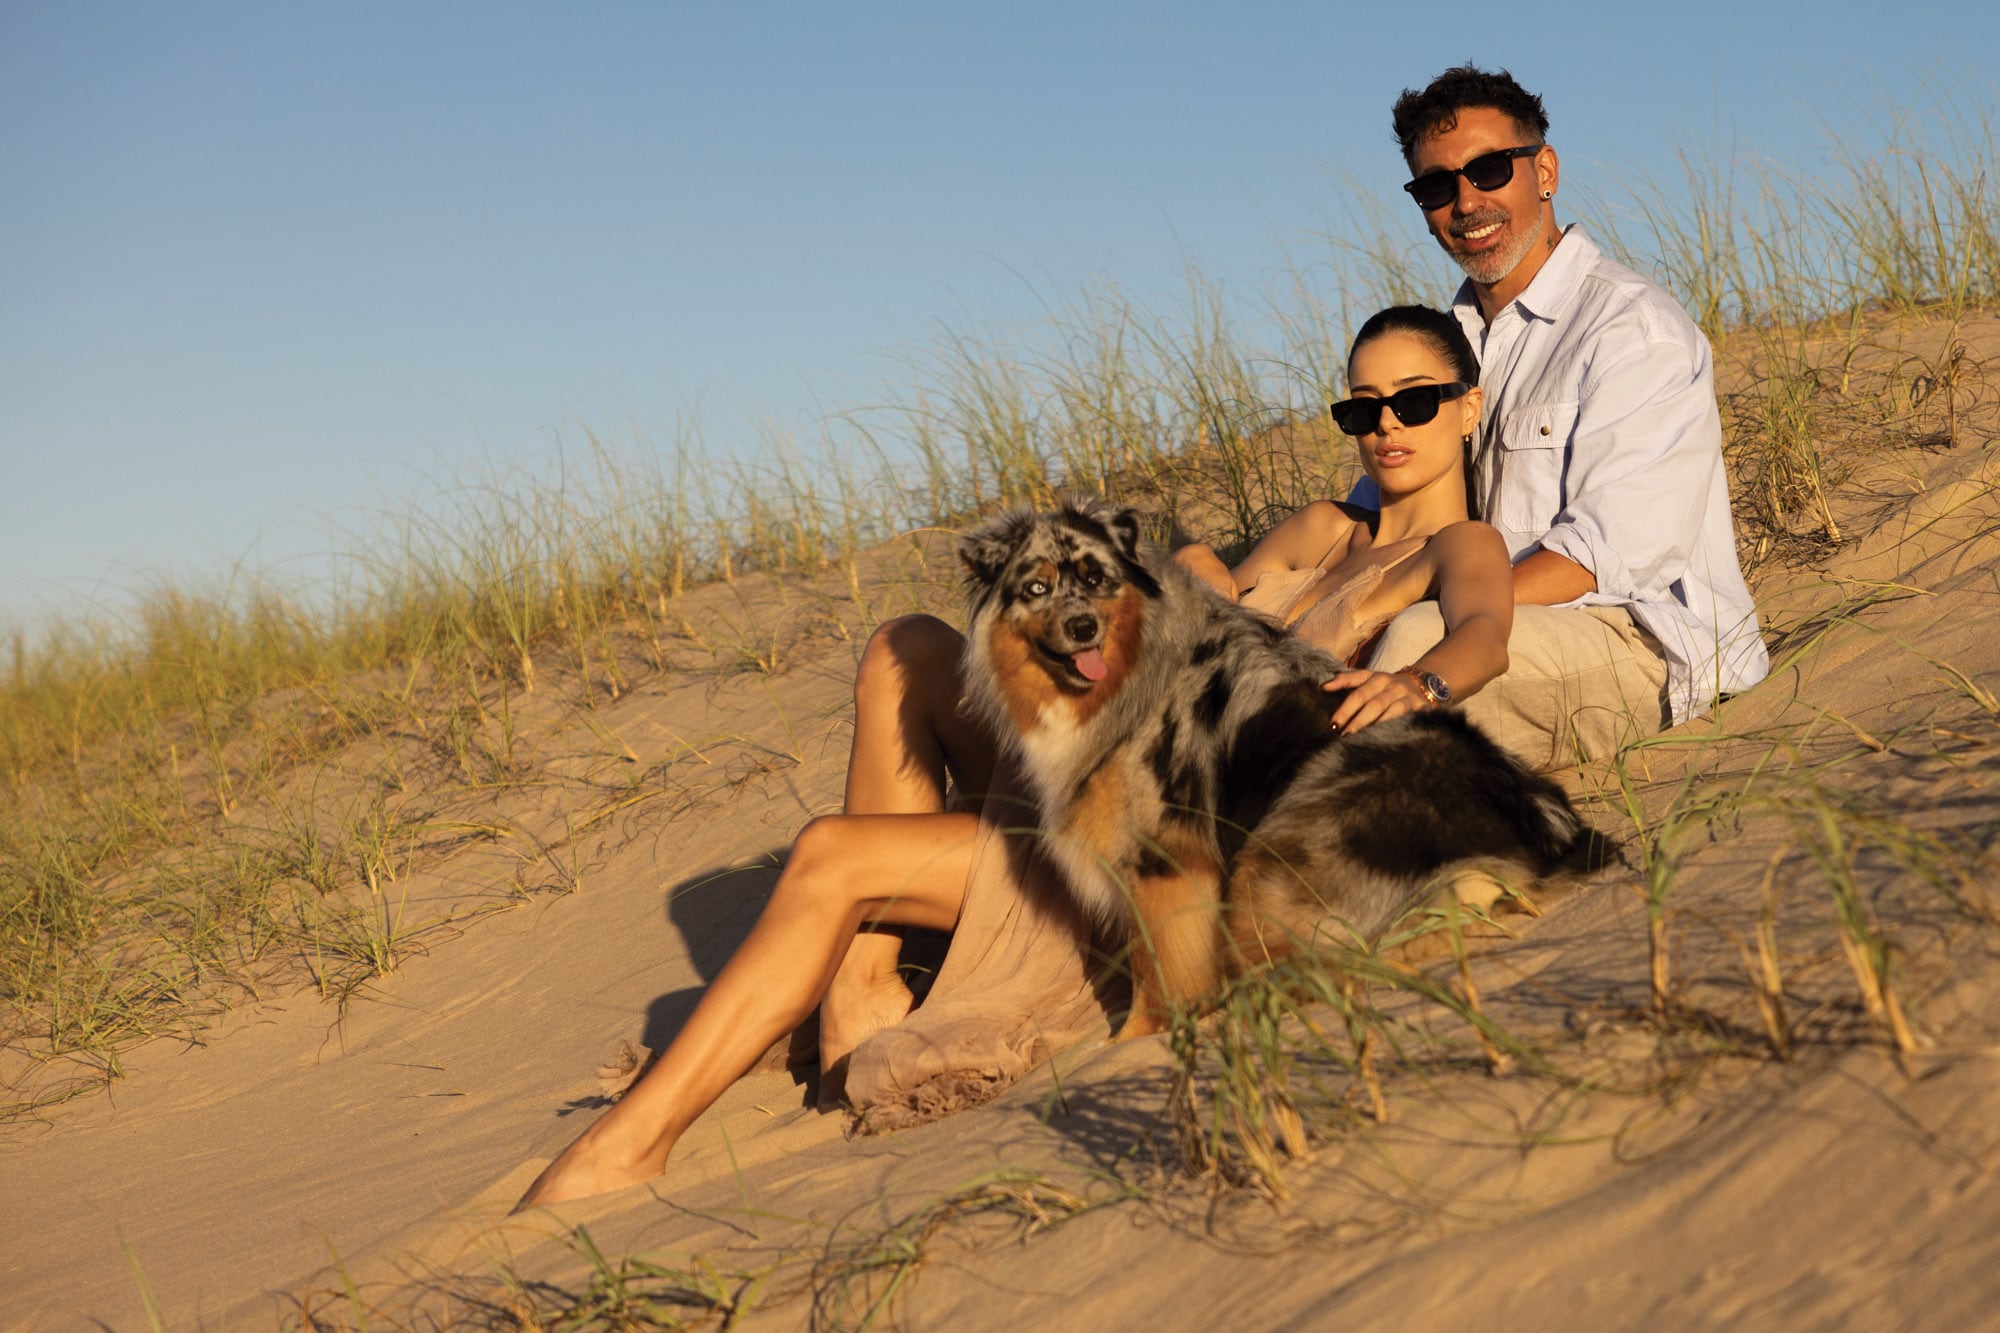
(1475, 229)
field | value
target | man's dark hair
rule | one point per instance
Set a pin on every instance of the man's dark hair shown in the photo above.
(1435, 109)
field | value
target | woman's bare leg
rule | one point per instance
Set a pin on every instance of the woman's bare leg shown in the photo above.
(907, 728)
(908, 735)
(845, 871)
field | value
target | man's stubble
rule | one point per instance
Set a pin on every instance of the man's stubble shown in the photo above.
(1491, 266)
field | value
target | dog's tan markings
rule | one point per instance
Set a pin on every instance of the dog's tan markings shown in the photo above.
(1262, 882)
(1100, 818)
(1025, 686)
(1176, 935)
(1018, 579)
(1124, 624)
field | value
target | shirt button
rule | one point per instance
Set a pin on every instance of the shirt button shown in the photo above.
(1545, 430)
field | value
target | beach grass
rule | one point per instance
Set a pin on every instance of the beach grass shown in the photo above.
(237, 790)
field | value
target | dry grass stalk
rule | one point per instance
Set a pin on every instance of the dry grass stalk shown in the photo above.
(1498, 1062)
(1767, 981)
(1362, 1035)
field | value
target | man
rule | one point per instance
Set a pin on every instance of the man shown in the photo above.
(1599, 456)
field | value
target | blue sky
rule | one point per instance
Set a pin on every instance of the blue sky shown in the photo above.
(267, 268)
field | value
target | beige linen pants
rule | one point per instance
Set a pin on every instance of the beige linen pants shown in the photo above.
(1580, 681)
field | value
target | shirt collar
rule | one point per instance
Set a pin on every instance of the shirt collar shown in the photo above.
(1552, 289)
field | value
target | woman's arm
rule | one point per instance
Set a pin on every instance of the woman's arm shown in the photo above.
(1474, 584)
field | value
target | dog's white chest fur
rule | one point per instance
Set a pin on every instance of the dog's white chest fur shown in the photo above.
(1089, 860)
(1051, 746)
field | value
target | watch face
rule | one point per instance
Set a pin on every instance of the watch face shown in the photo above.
(1433, 683)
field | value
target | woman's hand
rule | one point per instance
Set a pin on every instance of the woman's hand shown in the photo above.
(1375, 696)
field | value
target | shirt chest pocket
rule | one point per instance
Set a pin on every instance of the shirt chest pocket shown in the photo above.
(1526, 493)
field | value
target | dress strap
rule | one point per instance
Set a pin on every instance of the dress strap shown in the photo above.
(1372, 518)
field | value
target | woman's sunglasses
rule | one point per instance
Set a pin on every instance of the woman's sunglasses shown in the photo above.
(1487, 172)
(1413, 406)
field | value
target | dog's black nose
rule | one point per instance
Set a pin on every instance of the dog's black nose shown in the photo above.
(1081, 629)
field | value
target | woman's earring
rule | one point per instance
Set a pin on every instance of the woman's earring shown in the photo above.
(1548, 195)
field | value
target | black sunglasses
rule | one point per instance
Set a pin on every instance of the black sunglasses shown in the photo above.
(1488, 171)
(1413, 406)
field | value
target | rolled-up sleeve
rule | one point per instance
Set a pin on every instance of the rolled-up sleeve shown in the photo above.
(1642, 464)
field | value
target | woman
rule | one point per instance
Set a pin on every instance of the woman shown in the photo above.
(1336, 574)
(898, 856)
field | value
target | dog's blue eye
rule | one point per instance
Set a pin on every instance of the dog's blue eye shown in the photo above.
(1037, 588)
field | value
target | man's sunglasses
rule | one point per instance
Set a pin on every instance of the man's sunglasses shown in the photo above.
(1413, 407)
(1487, 172)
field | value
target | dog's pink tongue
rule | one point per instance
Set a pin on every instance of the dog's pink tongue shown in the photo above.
(1090, 664)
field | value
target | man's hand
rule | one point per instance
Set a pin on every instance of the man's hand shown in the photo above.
(1547, 579)
(1376, 696)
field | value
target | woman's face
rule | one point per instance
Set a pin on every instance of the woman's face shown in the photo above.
(1402, 459)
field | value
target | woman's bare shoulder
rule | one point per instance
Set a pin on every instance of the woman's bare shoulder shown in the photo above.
(1470, 537)
(1328, 520)
(1467, 549)
(1305, 534)
(1307, 537)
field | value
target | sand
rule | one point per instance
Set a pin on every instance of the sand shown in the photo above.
(300, 1144)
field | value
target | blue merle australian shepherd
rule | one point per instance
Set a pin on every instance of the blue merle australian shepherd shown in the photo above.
(1191, 787)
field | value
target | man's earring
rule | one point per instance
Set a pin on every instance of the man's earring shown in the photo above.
(1548, 195)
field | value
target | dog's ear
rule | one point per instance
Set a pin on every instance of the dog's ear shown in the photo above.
(986, 550)
(1120, 524)
(1141, 561)
(1124, 528)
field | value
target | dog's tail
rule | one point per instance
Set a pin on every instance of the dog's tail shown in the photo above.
(1567, 850)
(1589, 852)
(1553, 827)
(1562, 848)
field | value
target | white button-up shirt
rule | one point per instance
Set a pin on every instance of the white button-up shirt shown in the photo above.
(1600, 441)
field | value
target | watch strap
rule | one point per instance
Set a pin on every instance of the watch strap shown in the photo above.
(1436, 692)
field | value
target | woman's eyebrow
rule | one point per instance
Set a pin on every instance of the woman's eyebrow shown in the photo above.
(1420, 378)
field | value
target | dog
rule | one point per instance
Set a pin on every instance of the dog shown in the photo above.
(1191, 787)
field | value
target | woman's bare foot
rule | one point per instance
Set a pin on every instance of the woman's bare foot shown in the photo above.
(606, 1158)
(594, 1164)
(852, 1012)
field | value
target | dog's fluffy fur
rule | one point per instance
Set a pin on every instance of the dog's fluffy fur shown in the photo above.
(1191, 787)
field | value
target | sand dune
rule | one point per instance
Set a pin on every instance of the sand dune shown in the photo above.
(1660, 1173)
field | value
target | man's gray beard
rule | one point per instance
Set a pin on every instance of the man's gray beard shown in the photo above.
(1489, 268)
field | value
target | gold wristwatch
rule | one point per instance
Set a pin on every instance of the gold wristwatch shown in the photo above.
(1433, 685)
